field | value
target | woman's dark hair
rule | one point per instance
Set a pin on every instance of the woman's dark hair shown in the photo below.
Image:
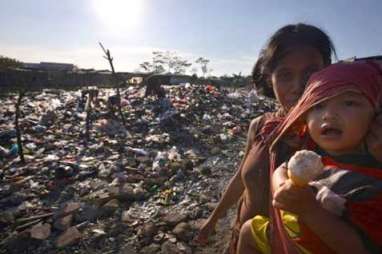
(280, 44)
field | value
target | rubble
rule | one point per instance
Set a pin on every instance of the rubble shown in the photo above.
(182, 231)
(40, 231)
(141, 188)
(70, 236)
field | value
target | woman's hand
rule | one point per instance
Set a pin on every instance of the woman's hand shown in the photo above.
(295, 199)
(374, 138)
(205, 231)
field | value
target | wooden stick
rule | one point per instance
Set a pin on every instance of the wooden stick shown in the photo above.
(18, 131)
(88, 108)
(110, 60)
(26, 225)
(41, 216)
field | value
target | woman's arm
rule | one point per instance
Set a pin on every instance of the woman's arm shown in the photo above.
(332, 230)
(233, 191)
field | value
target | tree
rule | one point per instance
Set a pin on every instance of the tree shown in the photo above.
(181, 65)
(203, 64)
(6, 62)
(146, 66)
(162, 61)
(158, 62)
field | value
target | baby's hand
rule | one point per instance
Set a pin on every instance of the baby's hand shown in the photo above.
(294, 199)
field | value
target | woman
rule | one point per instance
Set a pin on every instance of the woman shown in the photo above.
(291, 55)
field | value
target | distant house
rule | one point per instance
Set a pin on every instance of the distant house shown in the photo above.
(50, 66)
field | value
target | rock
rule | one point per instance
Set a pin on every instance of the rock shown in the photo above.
(196, 213)
(68, 208)
(5, 190)
(87, 213)
(183, 231)
(125, 217)
(48, 118)
(124, 193)
(215, 150)
(100, 197)
(196, 224)
(17, 243)
(104, 171)
(112, 204)
(40, 231)
(169, 248)
(6, 135)
(151, 249)
(63, 223)
(13, 200)
(158, 238)
(70, 236)
(64, 171)
(7, 217)
(148, 230)
(179, 176)
(187, 165)
(127, 192)
(111, 127)
(128, 249)
(183, 248)
(173, 219)
(139, 194)
(206, 171)
(211, 205)
(203, 198)
(39, 129)
(108, 209)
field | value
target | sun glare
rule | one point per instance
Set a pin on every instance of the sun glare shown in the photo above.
(119, 15)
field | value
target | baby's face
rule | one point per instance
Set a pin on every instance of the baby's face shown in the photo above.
(340, 124)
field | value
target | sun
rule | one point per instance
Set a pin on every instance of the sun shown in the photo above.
(119, 15)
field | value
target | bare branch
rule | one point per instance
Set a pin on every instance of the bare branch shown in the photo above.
(110, 59)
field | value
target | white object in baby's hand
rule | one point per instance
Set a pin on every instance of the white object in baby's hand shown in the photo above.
(304, 166)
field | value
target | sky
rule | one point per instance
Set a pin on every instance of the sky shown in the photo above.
(230, 33)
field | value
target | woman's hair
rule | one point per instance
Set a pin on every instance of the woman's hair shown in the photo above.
(280, 44)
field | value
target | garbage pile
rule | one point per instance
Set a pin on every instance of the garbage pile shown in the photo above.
(141, 188)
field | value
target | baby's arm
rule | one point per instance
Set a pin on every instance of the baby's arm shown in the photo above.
(333, 231)
(280, 176)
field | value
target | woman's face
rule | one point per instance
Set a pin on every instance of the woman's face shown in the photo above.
(292, 73)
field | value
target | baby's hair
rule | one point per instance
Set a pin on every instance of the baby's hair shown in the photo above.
(280, 44)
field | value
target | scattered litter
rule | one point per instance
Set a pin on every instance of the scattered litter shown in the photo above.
(142, 185)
